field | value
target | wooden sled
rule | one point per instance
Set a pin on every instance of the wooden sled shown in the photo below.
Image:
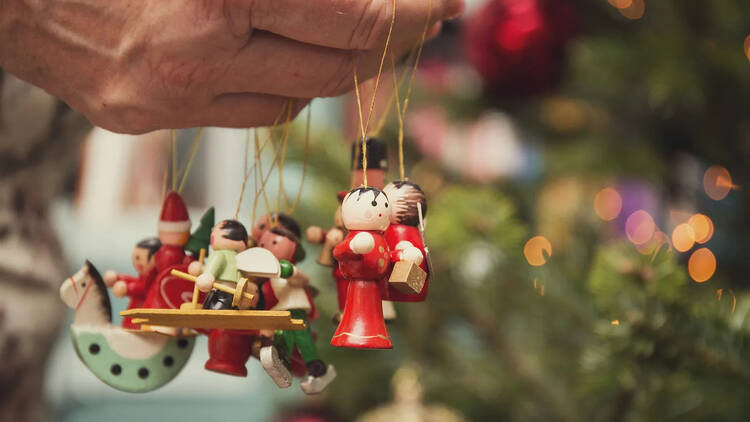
(209, 319)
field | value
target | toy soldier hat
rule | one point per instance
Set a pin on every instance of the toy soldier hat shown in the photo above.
(174, 214)
(377, 154)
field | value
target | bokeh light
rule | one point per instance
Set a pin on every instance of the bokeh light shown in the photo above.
(658, 241)
(608, 204)
(747, 47)
(683, 237)
(634, 9)
(717, 182)
(640, 227)
(702, 226)
(702, 265)
(537, 250)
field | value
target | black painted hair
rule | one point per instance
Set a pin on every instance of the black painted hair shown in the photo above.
(377, 154)
(362, 190)
(97, 277)
(287, 222)
(152, 244)
(234, 230)
(409, 215)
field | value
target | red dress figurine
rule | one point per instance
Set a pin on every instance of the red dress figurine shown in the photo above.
(364, 259)
(135, 286)
(169, 291)
(404, 237)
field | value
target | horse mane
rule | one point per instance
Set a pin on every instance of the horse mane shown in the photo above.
(94, 273)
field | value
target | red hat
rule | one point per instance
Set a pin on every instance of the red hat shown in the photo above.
(174, 214)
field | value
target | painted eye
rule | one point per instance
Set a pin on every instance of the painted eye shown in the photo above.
(374, 203)
(262, 245)
(262, 226)
(83, 284)
(386, 205)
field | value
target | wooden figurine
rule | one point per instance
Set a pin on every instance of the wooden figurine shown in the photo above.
(408, 281)
(168, 291)
(135, 287)
(127, 360)
(364, 259)
(377, 166)
(272, 219)
(291, 294)
(228, 238)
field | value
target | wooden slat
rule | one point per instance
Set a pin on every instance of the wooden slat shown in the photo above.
(229, 319)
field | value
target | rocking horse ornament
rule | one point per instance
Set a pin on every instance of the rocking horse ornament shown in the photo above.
(127, 360)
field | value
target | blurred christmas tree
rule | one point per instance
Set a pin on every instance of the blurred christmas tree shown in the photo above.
(571, 216)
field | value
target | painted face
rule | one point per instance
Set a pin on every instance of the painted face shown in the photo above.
(174, 238)
(260, 227)
(219, 240)
(141, 261)
(368, 210)
(281, 246)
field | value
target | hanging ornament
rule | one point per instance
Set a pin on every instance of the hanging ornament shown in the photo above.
(518, 46)
(408, 404)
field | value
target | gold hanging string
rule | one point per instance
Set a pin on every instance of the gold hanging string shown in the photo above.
(400, 117)
(419, 55)
(384, 117)
(246, 174)
(256, 143)
(174, 159)
(284, 144)
(364, 125)
(191, 157)
(291, 209)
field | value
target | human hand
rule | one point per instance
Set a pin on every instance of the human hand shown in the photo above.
(136, 65)
(362, 243)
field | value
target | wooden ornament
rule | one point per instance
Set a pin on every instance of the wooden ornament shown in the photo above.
(258, 262)
(211, 319)
(126, 360)
(217, 286)
(407, 277)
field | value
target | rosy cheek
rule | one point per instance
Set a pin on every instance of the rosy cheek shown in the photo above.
(368, 215)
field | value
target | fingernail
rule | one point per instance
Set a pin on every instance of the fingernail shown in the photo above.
(454, 9)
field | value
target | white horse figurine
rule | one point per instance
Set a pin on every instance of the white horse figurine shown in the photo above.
(127, 360)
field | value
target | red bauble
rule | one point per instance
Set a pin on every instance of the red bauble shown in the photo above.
(518, 46)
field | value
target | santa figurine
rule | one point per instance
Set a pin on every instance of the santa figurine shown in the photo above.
(292, 294)
(135, 287)
(169, 291)
(404, 237)
(364, 259)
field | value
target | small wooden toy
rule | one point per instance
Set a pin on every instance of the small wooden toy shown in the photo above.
(270, 220)
(291, 294)
(135, 286)
(408, 281)
(364, 259)
(228, 238)
(124, 359)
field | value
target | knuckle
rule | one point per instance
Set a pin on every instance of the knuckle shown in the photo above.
(371, 25)
(341, 80)
(113, 111)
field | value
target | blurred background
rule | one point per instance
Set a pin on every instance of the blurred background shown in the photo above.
(584, 162)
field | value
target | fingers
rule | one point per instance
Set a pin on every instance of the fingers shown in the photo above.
(350, 24)
(275, 65)
(246, 110)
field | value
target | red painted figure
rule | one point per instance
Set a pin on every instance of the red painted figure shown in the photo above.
(135, 287)
(364, 259)
(403, 236)
(174, 232)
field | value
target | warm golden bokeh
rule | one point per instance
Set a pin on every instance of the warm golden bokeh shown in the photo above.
(660, 241)
(702, 265)
(717, 182)
(621, 4)
(683, 237)
(640, 227)
(537, 250)
(747, 47)
(607, 204)
(634, 10)
(702, 226)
